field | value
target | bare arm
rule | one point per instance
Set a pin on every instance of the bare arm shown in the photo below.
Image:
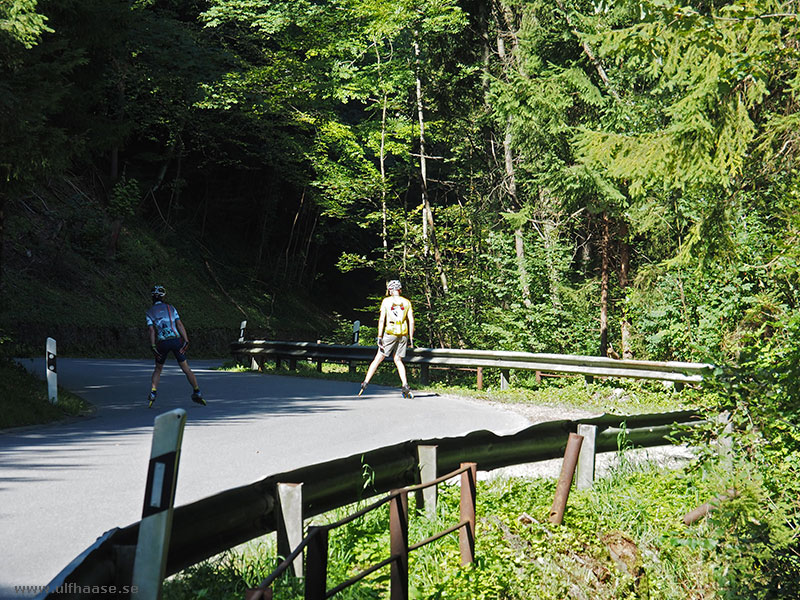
(382, 320)
(411, 325)
(182, 331)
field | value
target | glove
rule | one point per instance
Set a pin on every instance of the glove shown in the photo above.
(155, 351)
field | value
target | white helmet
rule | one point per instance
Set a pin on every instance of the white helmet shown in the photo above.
(158, 291)
(394, 284)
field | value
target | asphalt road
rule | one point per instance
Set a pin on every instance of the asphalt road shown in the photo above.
(63, 485)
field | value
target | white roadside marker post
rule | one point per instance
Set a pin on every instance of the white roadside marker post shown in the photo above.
(155, 527)
(52, 375)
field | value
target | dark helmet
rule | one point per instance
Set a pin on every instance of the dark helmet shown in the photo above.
(158, 292)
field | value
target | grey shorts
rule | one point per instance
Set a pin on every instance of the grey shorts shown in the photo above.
(395, 344)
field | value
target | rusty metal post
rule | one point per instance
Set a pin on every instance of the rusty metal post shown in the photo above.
(277, 363)
(317, 563)
(480, 378)
(319, 366)
(704, 509)
(424, 374)
(398, 534)
(565, 480)
(292, 364)
(538, 377)
(466, 535)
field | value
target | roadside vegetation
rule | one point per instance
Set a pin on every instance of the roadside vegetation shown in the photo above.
(24, 401)
(624, 538)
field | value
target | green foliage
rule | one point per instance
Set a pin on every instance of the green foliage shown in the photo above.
(125, 197)
(633, 513)
(19, 22)
(24, 401)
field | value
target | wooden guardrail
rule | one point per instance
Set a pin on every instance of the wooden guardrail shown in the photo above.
(212, 525)
(256, 352)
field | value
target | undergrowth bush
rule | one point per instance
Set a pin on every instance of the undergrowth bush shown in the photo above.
(624, 538)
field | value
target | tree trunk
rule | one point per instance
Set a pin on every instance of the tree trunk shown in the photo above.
(2, 234)
(604, 259)
(384, 236)
(587, 50)
(427, 213)
(510, 175)
(550, 225)
(113, 240)
(624, 270)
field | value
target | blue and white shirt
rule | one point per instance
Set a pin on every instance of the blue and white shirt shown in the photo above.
(163, 318)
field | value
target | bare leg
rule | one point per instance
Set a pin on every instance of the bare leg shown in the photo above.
(401, 370)
(373, 366)
(156, 376)
(189, 374)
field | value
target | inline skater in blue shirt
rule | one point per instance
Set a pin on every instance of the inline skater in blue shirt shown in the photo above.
(167, 334)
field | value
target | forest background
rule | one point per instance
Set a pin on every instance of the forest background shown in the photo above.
(609, 177)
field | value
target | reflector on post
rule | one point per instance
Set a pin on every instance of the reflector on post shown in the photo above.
(52, 376)
(150, 564)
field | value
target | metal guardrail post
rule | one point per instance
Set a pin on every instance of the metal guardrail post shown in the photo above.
(52, 376)
(586, 459)
(505, 375)
(479, 383)
(398, 535)
(424, 374)
(724, 440)
(290, 522)
(466, 535)
(427, 473)
(150, 563)
(317, 563)
(565, 479)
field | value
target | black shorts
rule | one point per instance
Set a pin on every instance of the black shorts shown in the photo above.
(174, 345)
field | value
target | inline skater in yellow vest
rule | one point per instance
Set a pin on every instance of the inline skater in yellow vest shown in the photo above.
(395, 334)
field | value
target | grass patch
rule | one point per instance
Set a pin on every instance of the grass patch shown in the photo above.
(23, 399)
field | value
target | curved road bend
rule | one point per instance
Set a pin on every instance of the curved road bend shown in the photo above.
(63, 485)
